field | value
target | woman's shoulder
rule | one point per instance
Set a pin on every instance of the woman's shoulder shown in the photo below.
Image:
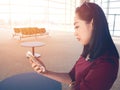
(106, 58)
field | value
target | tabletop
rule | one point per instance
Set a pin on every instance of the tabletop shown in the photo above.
(32, 44)
(29, 81)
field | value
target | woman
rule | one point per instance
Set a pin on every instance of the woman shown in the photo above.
(97, 67)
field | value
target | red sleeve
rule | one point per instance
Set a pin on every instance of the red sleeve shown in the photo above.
(99, 77)
(72, 73)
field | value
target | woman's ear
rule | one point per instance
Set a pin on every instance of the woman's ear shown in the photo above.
(91, 22)
(91, 26)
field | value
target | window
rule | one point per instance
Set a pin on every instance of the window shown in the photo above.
(41, 13)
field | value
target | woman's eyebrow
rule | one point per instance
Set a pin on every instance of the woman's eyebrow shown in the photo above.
(75, 23)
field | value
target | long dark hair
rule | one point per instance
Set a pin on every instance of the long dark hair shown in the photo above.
(101, 41)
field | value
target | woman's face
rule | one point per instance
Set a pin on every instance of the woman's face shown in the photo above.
(83, 30)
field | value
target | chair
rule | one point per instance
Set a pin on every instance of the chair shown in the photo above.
(42, 31)
(16, 32)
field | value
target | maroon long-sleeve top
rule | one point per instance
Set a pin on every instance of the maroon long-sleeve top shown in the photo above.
(99, 74)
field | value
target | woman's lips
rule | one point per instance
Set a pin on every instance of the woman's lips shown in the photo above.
(78, 39)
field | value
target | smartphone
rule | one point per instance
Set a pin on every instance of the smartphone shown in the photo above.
(30, 56)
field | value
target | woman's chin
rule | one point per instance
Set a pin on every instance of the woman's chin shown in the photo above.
(79, 40)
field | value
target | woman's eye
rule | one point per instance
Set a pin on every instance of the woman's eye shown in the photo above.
(76, 27)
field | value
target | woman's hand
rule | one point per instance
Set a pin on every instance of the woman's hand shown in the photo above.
(38, 66)
(60, 77)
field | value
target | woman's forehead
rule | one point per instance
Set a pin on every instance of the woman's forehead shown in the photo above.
(78, 22)
(76, 15)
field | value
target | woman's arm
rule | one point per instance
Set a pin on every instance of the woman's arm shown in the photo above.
(60, 77)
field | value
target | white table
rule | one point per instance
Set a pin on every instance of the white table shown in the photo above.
(33, 45)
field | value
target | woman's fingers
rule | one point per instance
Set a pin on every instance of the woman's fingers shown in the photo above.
(33, 65)
(37, 68)
(39, 71)
(30, 60)
(40, 61)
